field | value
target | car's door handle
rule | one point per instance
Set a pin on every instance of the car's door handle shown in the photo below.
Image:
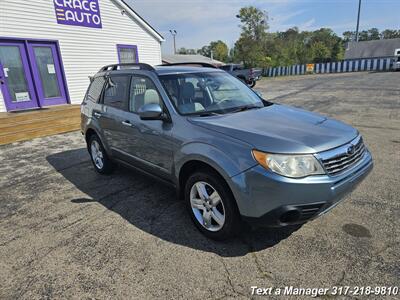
(127, 123)
(97, 114)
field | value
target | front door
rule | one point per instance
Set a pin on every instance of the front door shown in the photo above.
(15, 77)
(47, 73)
(148, 141)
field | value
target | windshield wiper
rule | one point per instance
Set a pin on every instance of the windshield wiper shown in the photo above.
(245, 107)
(208, 113)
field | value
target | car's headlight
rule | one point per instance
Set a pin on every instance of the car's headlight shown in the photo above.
(289, 165)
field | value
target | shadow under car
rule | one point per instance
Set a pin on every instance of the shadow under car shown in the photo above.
(153, 206)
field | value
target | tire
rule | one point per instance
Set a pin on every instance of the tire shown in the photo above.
(216, 219)
(251, 83)
(101, 162)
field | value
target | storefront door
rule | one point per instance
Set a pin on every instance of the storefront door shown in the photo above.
(47, 74)
(31, 74)
(15, 77)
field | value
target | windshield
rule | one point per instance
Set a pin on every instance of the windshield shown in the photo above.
(208, 92)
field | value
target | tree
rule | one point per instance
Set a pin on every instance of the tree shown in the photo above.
(373, 34)
(390, 34)
(349, 36)
(220, 50)
(254, 23)
(183, 50)
(249, 48)
(320, 52)
(205, 50)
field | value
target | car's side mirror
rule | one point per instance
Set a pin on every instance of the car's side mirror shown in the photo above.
(151, 111)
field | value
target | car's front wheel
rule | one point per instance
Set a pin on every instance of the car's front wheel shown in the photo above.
(211, 205)
(100, 159)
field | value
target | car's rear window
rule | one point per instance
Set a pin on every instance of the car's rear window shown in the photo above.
(95, 89)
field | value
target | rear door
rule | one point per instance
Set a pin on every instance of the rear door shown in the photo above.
(110, 114)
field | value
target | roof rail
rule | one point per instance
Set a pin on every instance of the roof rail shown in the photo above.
(139, 66)
(203, 64)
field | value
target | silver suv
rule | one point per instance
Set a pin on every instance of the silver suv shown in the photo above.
(231, 155)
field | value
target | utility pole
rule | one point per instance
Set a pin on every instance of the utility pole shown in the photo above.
(358, 19)
(174, 33)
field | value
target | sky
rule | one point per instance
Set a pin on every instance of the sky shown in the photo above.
(198, 22)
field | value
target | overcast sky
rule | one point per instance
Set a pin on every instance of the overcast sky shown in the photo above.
(200, 21)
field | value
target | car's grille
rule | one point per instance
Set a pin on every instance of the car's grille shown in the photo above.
(345, 157)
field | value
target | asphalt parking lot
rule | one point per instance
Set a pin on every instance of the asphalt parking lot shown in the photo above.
(67, 232)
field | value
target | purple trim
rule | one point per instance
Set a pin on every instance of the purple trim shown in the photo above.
(10, 105)
(119, 46)
(37, 78)
(64, 78)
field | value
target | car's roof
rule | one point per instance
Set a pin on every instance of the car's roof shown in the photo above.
(168, 70)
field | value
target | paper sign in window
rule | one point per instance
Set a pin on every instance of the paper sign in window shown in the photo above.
(5, 72)
(21, 97)
(51, 69)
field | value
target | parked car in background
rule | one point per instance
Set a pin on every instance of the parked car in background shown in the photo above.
(231, 155)
(249, 76)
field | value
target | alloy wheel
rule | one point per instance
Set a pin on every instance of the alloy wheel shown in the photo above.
(97, 154)
(207, 206)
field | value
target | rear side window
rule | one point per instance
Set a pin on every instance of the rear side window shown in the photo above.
(116, 92)
(95, 89)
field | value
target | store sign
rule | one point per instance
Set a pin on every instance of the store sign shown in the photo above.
(78, 12)
(310, 68)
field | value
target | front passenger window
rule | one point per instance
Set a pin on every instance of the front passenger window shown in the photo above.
(143, 91)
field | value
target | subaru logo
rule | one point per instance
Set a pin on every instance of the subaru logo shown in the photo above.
(350, 150)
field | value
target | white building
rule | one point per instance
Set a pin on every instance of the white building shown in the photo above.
(49, 48)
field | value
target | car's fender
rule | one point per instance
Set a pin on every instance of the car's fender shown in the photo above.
(93, 126)
(227, 163)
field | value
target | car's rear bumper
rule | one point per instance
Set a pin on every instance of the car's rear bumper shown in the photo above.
(268, 199)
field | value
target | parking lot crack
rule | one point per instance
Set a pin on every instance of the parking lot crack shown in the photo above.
(229, 279)
(260, 269)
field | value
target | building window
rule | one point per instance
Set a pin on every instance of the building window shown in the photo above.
(127, 54)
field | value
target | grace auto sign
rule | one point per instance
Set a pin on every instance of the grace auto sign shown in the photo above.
(78, 12)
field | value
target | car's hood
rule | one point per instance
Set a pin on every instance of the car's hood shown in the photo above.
(281, 129)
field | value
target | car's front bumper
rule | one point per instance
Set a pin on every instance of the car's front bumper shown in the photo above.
(268, 199)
